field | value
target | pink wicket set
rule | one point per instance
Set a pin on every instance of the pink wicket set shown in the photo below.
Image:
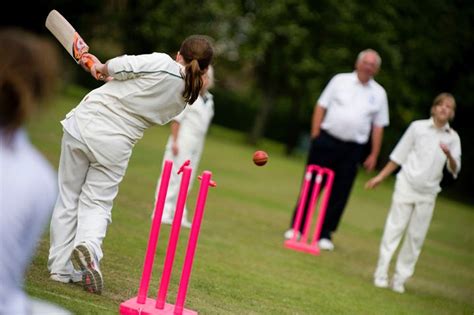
(141, 304)
(302, 244)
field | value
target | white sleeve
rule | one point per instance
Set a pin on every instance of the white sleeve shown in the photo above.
(129, 66)
(456, 154)
(327, 94)
(381, 118)
(404, 145)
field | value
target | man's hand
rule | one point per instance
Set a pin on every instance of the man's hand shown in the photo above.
(370, 162)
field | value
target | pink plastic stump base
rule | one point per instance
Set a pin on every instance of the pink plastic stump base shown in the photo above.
(302, 247)
(131, 307)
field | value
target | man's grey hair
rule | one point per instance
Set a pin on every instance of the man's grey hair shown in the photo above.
(365, 52)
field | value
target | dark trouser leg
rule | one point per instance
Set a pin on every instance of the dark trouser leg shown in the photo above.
(320, 153)
(345, 174)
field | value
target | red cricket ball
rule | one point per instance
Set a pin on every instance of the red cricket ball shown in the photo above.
(260, 158)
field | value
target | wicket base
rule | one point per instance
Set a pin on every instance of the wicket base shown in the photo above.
(131, 307)
(302, 247)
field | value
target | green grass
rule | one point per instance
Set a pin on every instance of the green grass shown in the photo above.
(241, 266)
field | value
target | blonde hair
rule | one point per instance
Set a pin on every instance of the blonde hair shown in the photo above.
(440, 98)
(197, 53)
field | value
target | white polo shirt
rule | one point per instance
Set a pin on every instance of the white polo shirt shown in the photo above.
(353, 107)
(421, 158)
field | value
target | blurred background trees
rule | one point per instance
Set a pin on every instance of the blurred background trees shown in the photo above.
(274, 58)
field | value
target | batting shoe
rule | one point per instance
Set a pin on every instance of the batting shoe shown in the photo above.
(66, 278)
(326, 244)
(85, 262)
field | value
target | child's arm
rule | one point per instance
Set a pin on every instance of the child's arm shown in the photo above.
(453, 166)
(386, 171)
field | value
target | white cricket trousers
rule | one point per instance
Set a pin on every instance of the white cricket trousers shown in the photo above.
(415, 218)
(83, 208)
(190, 148)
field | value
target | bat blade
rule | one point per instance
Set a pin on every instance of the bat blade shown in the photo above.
(66, 35)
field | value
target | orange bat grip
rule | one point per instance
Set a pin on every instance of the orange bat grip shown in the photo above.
(89, 63)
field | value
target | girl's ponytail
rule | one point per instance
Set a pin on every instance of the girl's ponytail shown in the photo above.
(193, 81)
(197, 53)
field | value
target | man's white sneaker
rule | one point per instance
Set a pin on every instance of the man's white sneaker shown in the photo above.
(381, 282)
(84, 261)
(289, 234)
(325, 244)
(398, 286)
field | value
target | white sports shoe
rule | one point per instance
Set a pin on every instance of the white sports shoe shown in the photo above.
(381, 282)
(84, 261)
(398, 286)
(289, 234)
(326, 244)
(66, 278)
(185, 223)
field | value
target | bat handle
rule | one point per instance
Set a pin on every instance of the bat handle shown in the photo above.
(89, 63)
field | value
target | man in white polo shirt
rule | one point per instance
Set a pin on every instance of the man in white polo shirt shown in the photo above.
(351, 108)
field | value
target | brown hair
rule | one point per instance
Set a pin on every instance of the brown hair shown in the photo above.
(27, 75)
(440, 99)
(197, 53)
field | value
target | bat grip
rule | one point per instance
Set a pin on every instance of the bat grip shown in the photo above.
(89, 63)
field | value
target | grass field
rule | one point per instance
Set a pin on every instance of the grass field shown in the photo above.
(241, 266)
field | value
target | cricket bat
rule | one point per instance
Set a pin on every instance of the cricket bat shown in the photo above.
(69, 38)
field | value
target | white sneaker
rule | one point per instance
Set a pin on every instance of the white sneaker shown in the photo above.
(381, 282)
(325, 244)
(398, 286)
(66, 278)
(289, 234)
(84, 261)
(60, 278)
(185, 223)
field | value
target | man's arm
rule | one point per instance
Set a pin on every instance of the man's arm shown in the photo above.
(377, 136)
(318, 115)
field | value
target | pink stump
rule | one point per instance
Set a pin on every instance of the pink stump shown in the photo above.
(147, 306)
(301, 244)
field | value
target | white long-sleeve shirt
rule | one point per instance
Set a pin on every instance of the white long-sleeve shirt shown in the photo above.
(28, 190)
(146, 90)
(421, 158)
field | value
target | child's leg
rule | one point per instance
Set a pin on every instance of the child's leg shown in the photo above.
(411, 248)
(395, 225)
(95, 206)
(173, 185)
(73, 166)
